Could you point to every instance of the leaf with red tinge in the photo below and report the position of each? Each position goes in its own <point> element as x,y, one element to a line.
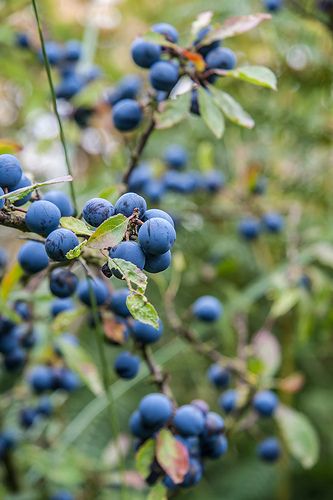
<point>114,330</point>
<point>158,492</point>
<point>7,146</point>
<point>235,26</point>
<point>172,456</point>
<point>293,383</point>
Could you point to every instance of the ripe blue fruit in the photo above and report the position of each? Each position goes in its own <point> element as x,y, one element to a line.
<point>22,40</point>
<point>42,217</point>
<point>63,283</point>
<point>189,421</point>
<point>28,417</point>
<point>54,53</point>
<point>249,228</point>
<point>15,359</point>
<point>228,401</point>
<point>7,442</point>
<point>44,407</point>
<point>145,53</point>
<point>194,108</point>
<point>9,341</point>
<point>218,376</point>
<point>139,177</point>
<point>23,309</point>
<point>62,495</point>
<point>117,302</point>
<point>130,251</point>
<point>164,75</point>
<point>155,410</point>
<point>175,157</point>
<point>32,257</point>
<point>96,211</point>
<point>72,50</point>
<point>137,427</point>
<point>265,403</point>
<point>273,222</point>
<point>201,405</point>
<point>214,424</point>
<point>67,380</point>
<point>154,189</point>
<point>194,474</point>
<point>41,378</point>
<point>128,88</point>
<point>69,86</point>
<point>93,290</point>
<point>126,115</point>
<point>59,242</point>
<point>146,334</point>
<point>214,446</point>
<point>156,212</point>
<point>158,263</point>
<point>128,202</point>
<point>207,308</point>
<point>204,49</point>
<point>10,171</point>
<point>157,236</point>
<point>60,305</point>
<point>273,5</point>
<point>221,58</point>
<point>23,182</point>
<point>213,181</point>
<point>61,200</point>
<point>269,450</point>
<point>167,30</point>
<point>127,365</point>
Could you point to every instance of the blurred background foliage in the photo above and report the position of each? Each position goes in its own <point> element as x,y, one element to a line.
<point>291,146</point>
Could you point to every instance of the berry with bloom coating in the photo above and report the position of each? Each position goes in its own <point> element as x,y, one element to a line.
<point>128,202</point>
<point>176,157</point>
<point>157,236</point>
<point>145,53</point>
<point>93,290</point>
<point>130,251</point>
<point>126,115</point>
<point>164,75</point>
<point>274,5</point>
<point>156,212</point>
<point>23,182</point>
<point>63,283</point>
<point>15,359</point>
<point>41,378</point>
<point>189,421</point>
<point>146,334</point>
<point>32,257</point>
<point>61,200</point>
<point>207,308</point>
<point>269,450</point>
<point>127,365</point>
<point>157,263</point>
<point>265,403</point>
<point>228,401</point>
<point>214,446</point>
<point>60,305</point>
<point>117,302</point>
<point>273,222</point>
<point>10,171</point>
<point>59,242</point>
<point>249,228</point>
<point>221,58</point>
<point>96,211</point>
<point>137,427</point>
<point>218,376</point>
<point>43,217</point>
<point>155,410</point>
<point>167,30</point>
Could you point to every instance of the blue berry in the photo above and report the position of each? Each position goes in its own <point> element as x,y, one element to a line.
<point>214,446</point>
<point>167,30</point>
<point>265,403</point>
<point>130,251</point>
<point>214,424</point>
<point>41,378</point>
<point>62,201</point>
<point>154,190</point>
<point>67,380</point>
<point>273,222</point>
<point>221,58</point>
<point>93,290</point>
<point>7,442</point>
<point>9,341</point>
<point>228,401</point>
<point>127,115</point>
<point>63,283</point>
<point>22,40</point>
<point>69,86</point>
<point>96,211</point>
<point>194,475</point>
<point>23,182</point>
<point>59,242</point>
<point>218,376</point>
<point>140,176</point>
<point>156,236</point>
<point>145,53</point>
<point>10,171</point>
<point>213,181</point>
<point>137,427</point>
<point>207,308</point>
<point>61,305</point>
<point>53,51</point>
<point>146,334</point>
<point>32,257</point>
<point>201,405</point>
<point>15,359</point>
<point>176,157</point>
<point>23,309</point>
<point>204,49</point>
<point>128,88</point>
<point>44,407</point>
<point>73,50</point>
<point>155,410</point>
<point>117,302</point>
<point>273,5</point>
<point>269,450</point>
<point>62,495</point>
<point>189,421</point>
<point>155,212</point>
<point>43,217</point>
<point>249,228</point>
<point>158,263</point>
<point>128,202</point>
<point>164,75</point>
<point>127,365</point>
<point>28,417</point>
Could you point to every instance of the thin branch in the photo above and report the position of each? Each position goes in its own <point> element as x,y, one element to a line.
<point>13,220</point>
<point>159,378</point>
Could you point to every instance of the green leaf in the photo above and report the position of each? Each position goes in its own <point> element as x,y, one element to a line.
<point>80,362</point>
<point>231,108</point>
<point>22,192</point>
<point>267,349</point>
<point>285,302</point>
<point>300,436</point>
<point>154,37</point>
<point>202,20</point>
<point>65,320</point>
<point>76,225</point>
<point>173,111</point>
<point>10,280</point>
<point>7,146</point>
<point>258,75</point>
<point>157,492</point>
<point>142,310</point>
<point>76,251</point>
<point>145,457</point>
<point>210,113</point>
<point>109,233</point>
<point>235,26</point>
<point>132,274</point>
<point>172,456</point>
